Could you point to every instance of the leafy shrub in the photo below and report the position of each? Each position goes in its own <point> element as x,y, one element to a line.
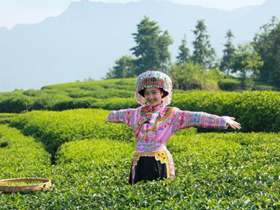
<point>22,156</point>
<point>34,93</point>
<point>261,87</point>
<point>16,104</point>
<point>6,118</point>
<point>249,108</point>
<point>75,103</point>
<point>48,102</point>
<point>96,149</point>
<point>229,84</point>
<point>193,77</point>
<point>213,171</point>
<point>56,128</point>
<point>116,103</point>
<point>256,111</point>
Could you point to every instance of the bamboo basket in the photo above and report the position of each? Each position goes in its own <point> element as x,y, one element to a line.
<point>45,184</point>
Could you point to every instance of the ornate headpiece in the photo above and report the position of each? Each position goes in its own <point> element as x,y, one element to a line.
<point>153,79</point>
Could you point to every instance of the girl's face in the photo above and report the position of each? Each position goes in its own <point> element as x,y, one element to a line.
<point>153,95</point>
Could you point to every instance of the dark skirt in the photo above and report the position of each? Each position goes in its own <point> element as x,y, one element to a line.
<point>148,169</point>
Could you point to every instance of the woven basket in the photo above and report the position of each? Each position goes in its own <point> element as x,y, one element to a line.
<point>45,184</point>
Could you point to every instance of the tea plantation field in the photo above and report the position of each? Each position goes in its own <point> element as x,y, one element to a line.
<point>257,111</point>
<point>88,162</point>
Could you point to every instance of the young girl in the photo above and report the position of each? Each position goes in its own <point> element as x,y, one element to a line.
<point>154,123</point>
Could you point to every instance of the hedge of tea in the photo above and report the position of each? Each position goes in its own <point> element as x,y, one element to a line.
<point>5,118</point>
<point>66,96</point>
<point>55,128</point>
<point>256,111</point>
<point>21,156</point>
<point>213,171</point>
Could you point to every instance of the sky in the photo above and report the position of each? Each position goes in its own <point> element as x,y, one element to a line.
<point>13,12</point>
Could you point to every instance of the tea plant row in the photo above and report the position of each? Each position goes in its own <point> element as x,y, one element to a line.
<point>213,171</point>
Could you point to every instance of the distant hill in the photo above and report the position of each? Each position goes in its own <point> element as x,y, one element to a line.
<point>88,37</point>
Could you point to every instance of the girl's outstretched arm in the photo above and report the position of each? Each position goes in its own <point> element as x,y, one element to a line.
<point>185,119</point>
<point>122,116</point>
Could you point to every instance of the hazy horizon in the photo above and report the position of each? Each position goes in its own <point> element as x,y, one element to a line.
<point>13,12</point>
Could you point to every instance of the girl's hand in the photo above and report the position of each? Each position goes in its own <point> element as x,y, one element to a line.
<point>235,125</point>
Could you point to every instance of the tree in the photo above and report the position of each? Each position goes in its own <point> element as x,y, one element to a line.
<point>203,53</point>
<point>124,68</point>
<point>228,54</point>
<point>266,43</point>
<point>151,48</point>
<point>184,52</point>
<point>247,63</point>
<point>190,76</point>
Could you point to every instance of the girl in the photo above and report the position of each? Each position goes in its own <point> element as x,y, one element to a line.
<point>154,123</point>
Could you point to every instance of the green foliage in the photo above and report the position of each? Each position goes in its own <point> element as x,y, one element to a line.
<point>21,156</point>
<point>16,104</point>
<point>85,102</point>
<point>266,43</point>
<point>246,61</point>
<point>256,111</point>
<point>34,93</point>
<point>213,171</point>
<point>48,101</point>
<point>229,84</point>
<point>116,103</point>
<point>261,86</point>
<point>67,96</point>
<point>151,48</point>
<point>119,94</point>
<point>203,53</point>
<point>228,53</point>
<point>96,149</point>
<point>191,76</point>
<point>109,92</point>
<point>184,53</point>
<point>6,117</point>
<point>55,128</point>
<point>123,68</point>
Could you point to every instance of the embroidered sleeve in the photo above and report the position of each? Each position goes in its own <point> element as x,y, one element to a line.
<point>121,116</point>
<point>185,119</point>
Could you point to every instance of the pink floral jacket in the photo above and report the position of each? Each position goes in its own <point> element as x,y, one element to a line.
<point>153,126</point>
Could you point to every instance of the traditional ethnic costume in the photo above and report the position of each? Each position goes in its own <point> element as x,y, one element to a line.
<point>154,125</point>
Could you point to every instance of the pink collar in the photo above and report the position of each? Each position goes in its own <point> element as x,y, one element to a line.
<point>150,108</point>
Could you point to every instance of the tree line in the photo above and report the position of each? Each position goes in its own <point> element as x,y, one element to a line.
<point>253,62</point>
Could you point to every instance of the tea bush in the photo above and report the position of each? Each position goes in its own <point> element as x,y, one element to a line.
<point>76,103</point>
<point>48,101</point>
<point>5,118</point>
<point>256,111</point>
<point>213,171</point>
<point>21,156</point>
<point>55,128</point>
<point>250,108</point>
<point>16,104</point>
<point>116,103</point>
<point>230,84</point>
